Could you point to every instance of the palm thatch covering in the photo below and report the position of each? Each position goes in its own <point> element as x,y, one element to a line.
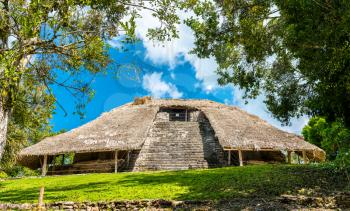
<point>126,128</point>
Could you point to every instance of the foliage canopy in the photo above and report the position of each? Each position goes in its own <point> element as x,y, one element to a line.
<point>29,121</point>
<point>296,53</point>
<point>333,137</point>
<point>41,39</point>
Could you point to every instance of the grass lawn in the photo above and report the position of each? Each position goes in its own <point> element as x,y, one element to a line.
<point>222,183</point>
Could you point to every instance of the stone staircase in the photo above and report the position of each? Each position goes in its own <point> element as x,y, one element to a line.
<point>175,145</point>
<point>213,151</point>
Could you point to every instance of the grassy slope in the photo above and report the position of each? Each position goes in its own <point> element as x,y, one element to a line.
<point>248,181</point>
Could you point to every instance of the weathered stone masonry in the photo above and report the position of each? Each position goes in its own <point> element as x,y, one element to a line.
<point>178,145</point>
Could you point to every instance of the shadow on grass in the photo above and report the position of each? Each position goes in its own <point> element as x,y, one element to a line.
<point>246,182</point>
<point>19,195</point>
<point>214,184</point>
<point>51,193</point>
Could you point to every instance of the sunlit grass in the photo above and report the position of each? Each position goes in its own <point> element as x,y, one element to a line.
<point>215,184</point>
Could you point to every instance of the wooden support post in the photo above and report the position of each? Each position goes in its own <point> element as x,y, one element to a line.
<point>44,166</point>
<point>41,198</point>
<point>229,157</point>
<point>240,158</point>
<point>116,161</point>
<point>305,157</point>
<point>289,157</point>
<point>128,158</point>
<point>53,163</point>
<point>62,160</point>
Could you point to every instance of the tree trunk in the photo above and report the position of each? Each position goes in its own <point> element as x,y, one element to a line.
<point>5,112</point>
<point>4,116</point>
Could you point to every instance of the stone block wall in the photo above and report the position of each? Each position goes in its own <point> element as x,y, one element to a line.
<point>331,201</point>
<point>213,151</point>
<point>158,204</point>
<point>162,117</point>
<point>178,145</point>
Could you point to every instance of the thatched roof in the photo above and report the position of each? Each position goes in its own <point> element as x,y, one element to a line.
<point>126,127</point>
<point>122,128</point>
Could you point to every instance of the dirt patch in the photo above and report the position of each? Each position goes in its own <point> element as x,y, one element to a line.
<point>290,202</point>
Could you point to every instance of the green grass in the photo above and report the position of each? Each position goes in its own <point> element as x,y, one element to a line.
<point>214,184</point>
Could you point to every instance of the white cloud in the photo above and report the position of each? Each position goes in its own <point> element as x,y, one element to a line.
<point>116,42</point>
<point>205,71</point>
<point>168,52</point>
<point>159,88</point>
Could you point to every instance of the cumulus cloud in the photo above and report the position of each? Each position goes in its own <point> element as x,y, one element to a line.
<point>158,88</point>
<point>169,52</point>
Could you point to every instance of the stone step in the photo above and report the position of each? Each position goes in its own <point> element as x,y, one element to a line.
<point>177,145</point>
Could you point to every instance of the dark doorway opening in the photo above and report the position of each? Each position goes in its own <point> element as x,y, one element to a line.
<point>177,114</point>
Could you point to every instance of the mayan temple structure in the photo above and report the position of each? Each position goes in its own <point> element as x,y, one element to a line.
<point>168,134</point>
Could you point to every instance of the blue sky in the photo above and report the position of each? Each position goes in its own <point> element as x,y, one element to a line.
<point>165,70</point>
<point>121,86</point>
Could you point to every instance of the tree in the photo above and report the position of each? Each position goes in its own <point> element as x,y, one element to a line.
<point>333,137</point>
<point>29,120</point>
<point>317,132</point>
<point>296,53</point>
<point>40,38</point>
